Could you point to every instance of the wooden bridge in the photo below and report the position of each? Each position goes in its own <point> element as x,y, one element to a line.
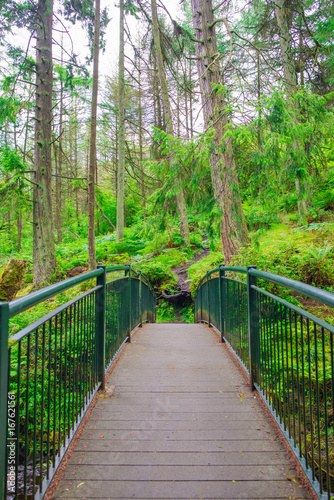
<point>178,421</point>
<point>178,417</point>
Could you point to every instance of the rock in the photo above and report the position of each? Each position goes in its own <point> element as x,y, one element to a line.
<point>11,279</point>
<point>24,291</point>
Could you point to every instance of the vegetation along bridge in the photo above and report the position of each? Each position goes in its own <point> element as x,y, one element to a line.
<point>176,417</point>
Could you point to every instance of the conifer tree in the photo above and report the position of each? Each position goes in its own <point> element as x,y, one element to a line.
<point>233,229</point>
<point>44,257</point>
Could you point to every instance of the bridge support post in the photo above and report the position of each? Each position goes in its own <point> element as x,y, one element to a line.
<point>100,331</point>
<point>222,295</point>
<point>4,359</point>
<point>253,328</point>
<point>140,301</point>
<point>201,314</point>
<point>208,301</point>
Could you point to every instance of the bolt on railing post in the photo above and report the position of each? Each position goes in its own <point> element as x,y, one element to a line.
<point>222,300</point>
<point>253,329</point>
<point>129,304</point>
<point>4,320</point>
<point>140,300</point>
<point>100,330</point>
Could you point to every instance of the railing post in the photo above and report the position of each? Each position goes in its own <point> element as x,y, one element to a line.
<point>209,310</point>
<point>140,301</point>
<point>129,303</point>
<point>4,319</point>
<point>201,316</point>
<point>222,300</point>
<point>100,312</point>
<point>253,328</point>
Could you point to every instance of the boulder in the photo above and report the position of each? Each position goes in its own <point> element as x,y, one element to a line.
<point>11,279</point>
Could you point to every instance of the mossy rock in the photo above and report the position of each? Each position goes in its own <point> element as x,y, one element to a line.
<point>11,279</point>
<point>24,291</point>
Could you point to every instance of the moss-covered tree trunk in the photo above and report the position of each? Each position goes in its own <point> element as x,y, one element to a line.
<point>234,233</point>
<point>44,255</point>
<point>180,198</point>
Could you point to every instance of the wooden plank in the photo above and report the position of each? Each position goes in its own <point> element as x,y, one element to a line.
<point>175,435</point>
<point>171,458</point>
<point>234,472</point>
<point>263,445</point>
<point>221,423</point>
<point>156,490</point>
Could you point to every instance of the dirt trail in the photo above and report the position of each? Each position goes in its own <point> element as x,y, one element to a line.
<point>182,272</point>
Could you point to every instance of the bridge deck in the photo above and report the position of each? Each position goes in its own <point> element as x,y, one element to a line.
<point>181,424</point>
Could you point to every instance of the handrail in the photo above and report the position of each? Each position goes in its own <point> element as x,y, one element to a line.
<point>237,269</point>
<point>138,274</point>
<point>288,354</point>
<point>32,299</point>
<point>297,286</point>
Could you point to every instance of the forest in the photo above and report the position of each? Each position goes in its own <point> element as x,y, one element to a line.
<point>211,141</point>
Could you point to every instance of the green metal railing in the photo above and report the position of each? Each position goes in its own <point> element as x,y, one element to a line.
<point>287,353</point>
<point>51,370</point>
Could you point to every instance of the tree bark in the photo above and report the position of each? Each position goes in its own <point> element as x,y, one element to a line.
<point>121,131</point>
<point>234,233</point>
<point>180,198</point>
<point>259,140</point>
<point>140,113</point>
<point>44,256</point>
<point>290,80</point>
<point>92,154</point>
<point>60,161</point>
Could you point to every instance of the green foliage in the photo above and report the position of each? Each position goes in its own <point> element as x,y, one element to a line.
<point>260,216</point>
<point>170,313</point>
<point>9,108</point>
<point>304,254</point>
<point>198,269</point>
<point>10,161</point>
<point>166,313</point>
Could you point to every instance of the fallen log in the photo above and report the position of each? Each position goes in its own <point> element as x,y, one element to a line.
<point>181,298</point>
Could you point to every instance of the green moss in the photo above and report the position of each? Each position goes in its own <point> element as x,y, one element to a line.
<point>11,279</point>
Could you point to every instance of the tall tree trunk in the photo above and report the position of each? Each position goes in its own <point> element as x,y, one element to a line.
<point>76,155</point>
<point>259,140</point>
<point>19,230</point>
<point>191,101</point>
<point>290,80</point>
<point>186,99</point>
<point>234,233</point>
<point>180,198</point>
<point>59,170</point>
<point>178,100</point>
<point>19,214</point>
<point>121,131</point>
<point>92,154</point>
<point>140,112</point>
<point>44,255</point>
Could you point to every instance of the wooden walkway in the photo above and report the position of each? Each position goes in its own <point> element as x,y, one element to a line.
<point>178,422</point>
